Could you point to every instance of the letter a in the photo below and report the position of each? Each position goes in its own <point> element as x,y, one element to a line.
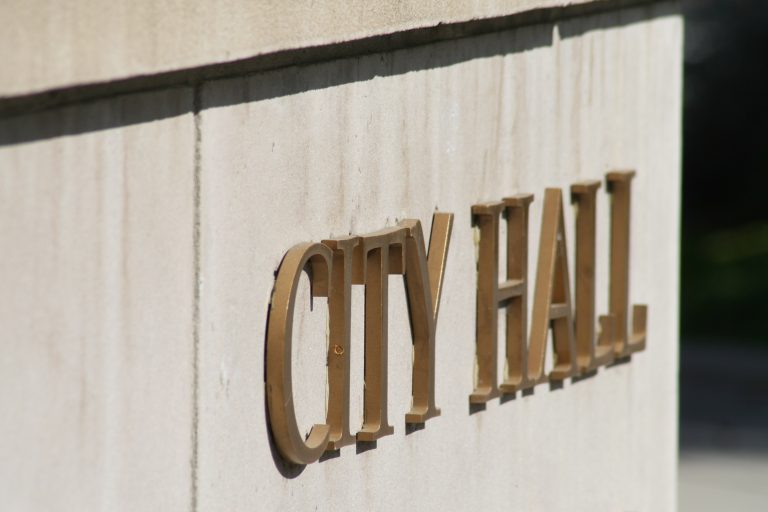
<point>552,297</point>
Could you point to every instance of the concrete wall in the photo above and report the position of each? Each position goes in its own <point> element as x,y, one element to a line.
<point>96,308</point>
<point>52,45</point>
<point>140,235</point>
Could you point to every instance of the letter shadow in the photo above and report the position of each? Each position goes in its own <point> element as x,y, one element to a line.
<point>410,428</point>
<point>584,376</point>
<point>620,361</point>
<point>475,408</point>
<point>507,397</point>
<point>364,446</point>
<point>286,468</point>
<point>330,454</point>
<point>555,385</point>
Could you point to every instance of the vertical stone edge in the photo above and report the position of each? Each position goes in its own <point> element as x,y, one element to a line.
<point>197,119</point>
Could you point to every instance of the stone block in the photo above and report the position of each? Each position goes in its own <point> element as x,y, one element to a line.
<point>96,305</point>
<point>350,146</point>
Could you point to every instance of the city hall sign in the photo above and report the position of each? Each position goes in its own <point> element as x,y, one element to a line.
<point>334,266</point>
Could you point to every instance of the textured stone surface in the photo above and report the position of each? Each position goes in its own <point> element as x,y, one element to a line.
<point>46,45</point>
<point>96,307</point>
<point>301,154</point>
<point>133,295</point>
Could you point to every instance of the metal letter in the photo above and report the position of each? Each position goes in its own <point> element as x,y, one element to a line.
<point>371,267</point>
<point>515,292</point>
<point>590,355</point>
<point>423,281</point>
<point>511,294</point>
<point>340,312</point>
<point>624,343</point>
<point>486,217</point>
<point>552,297</point>
<point>316,259</point>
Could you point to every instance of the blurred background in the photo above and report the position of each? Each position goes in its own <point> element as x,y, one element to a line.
<point>724,303</point>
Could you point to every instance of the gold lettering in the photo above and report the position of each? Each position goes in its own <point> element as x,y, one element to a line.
<point>316,260</point>
<point>378,255</point>
<point>517,291</point>
<point>335,265</point>
<point>552,296</point>
<point>624,343</point>
<point>423,281</point>
<point>339,347</point>
<point>590,355</point>
<point>486,217</point>
<point>511,294</point>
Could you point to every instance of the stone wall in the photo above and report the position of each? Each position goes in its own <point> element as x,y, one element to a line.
<point>141,233</point>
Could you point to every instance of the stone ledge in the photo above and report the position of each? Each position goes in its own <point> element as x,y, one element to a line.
<point>50,47</point>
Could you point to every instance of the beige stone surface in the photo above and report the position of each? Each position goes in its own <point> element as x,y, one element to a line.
<point>301,154</point>
<point>132,345</point>
<point>46,45</point>
<point>96,307</point>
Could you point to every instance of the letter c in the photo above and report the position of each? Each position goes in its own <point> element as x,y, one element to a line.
<point>317,260</point>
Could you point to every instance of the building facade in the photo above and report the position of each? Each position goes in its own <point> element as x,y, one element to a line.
<point>157,164</point>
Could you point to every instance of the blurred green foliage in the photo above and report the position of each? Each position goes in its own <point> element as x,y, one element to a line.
<point>725,284</point>
<point>725,171</point>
